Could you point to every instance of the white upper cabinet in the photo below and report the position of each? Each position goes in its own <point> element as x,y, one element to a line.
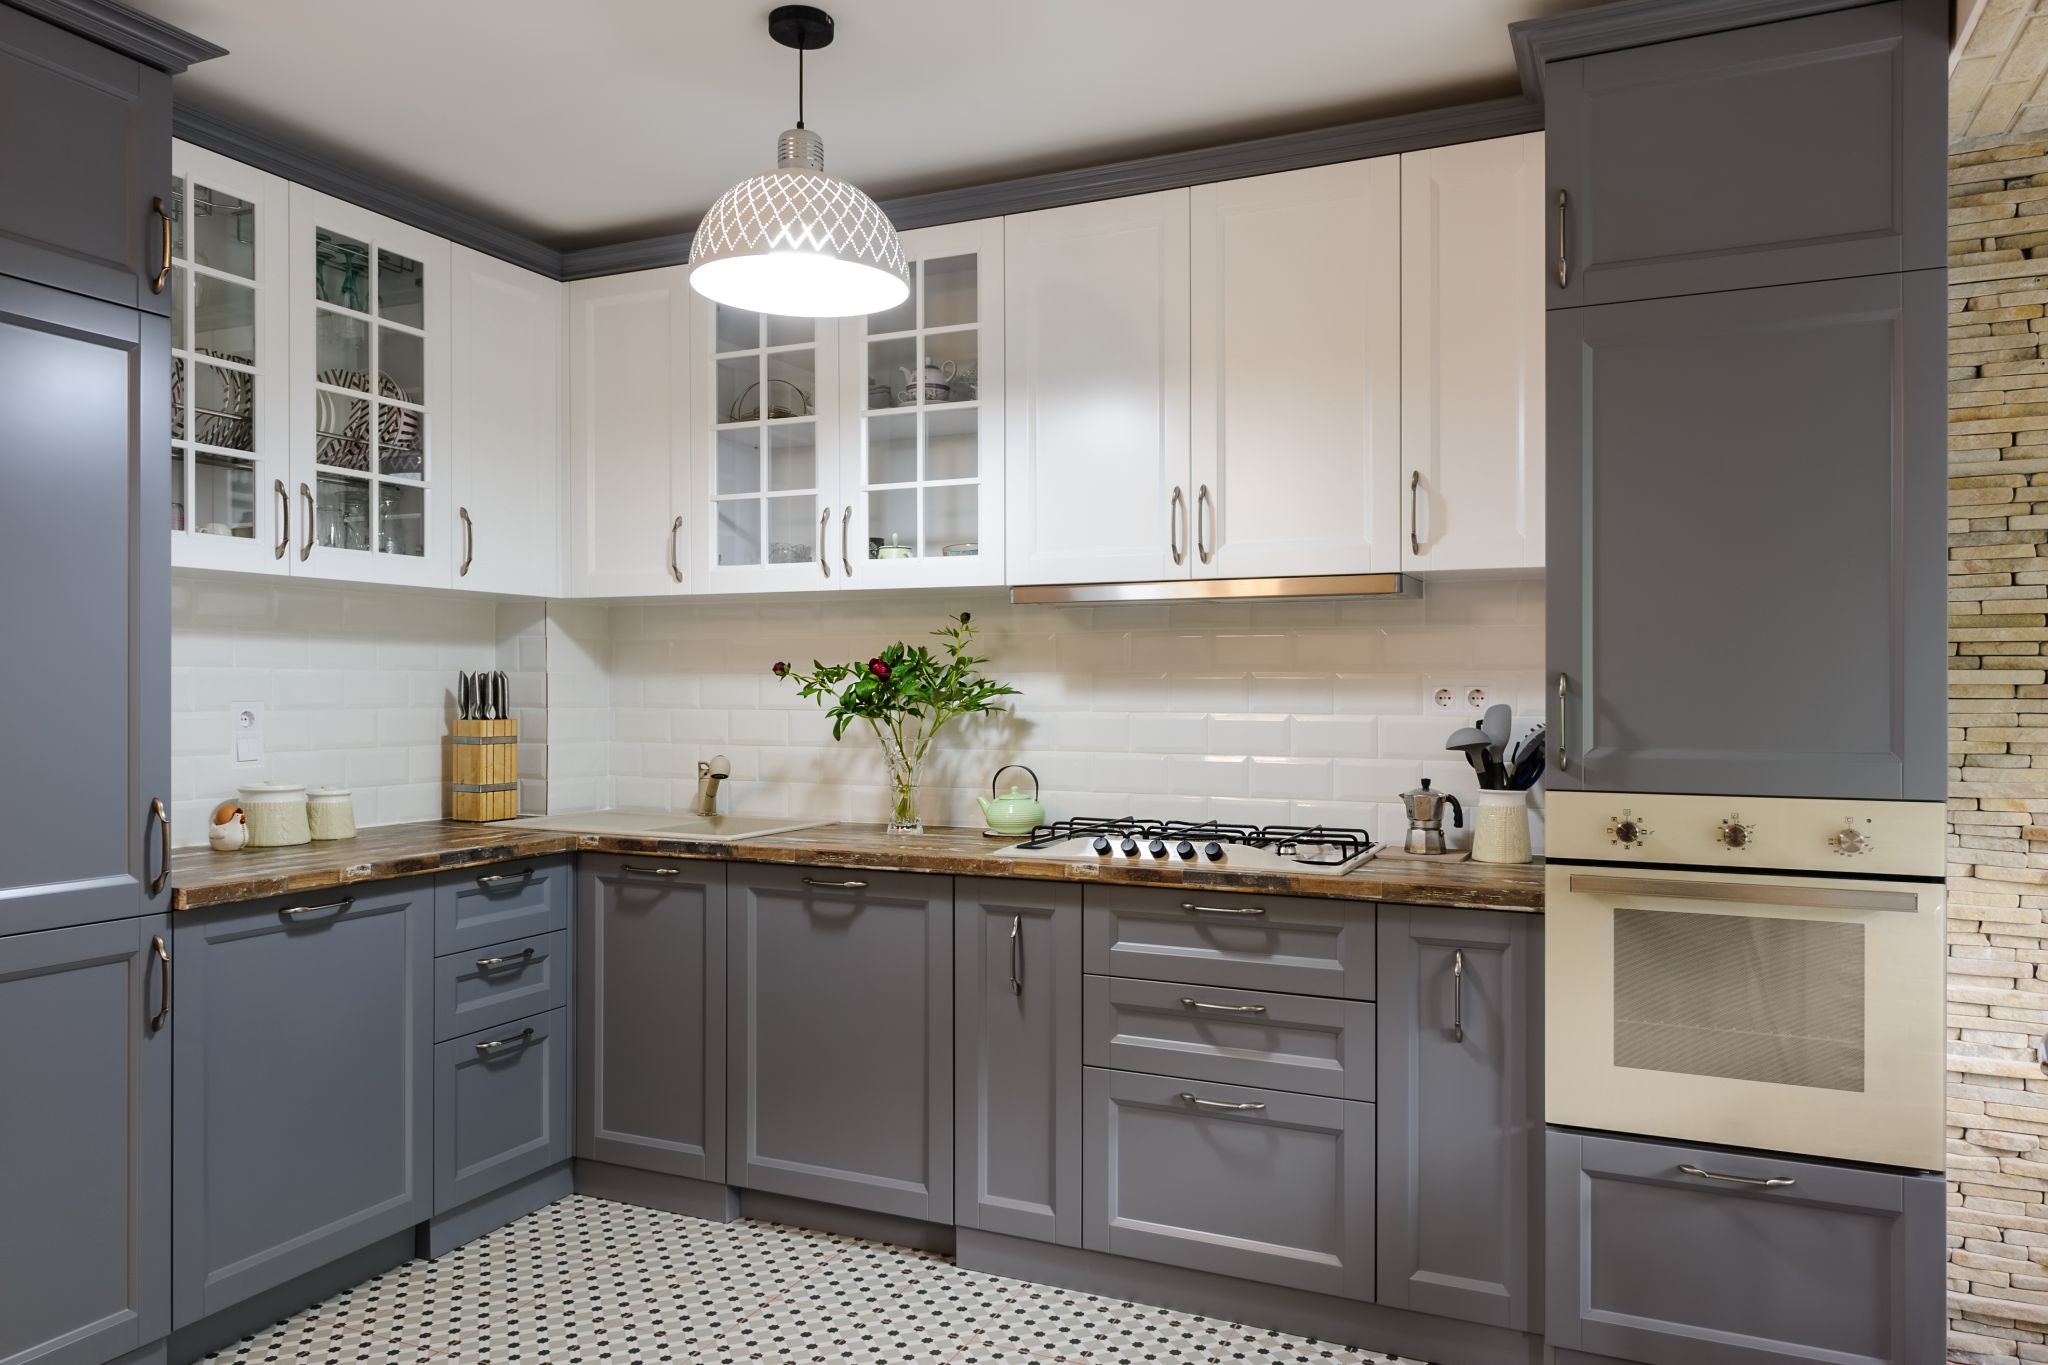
<point>629,434</point>
<point>230,318</point>
<point>506,426</point>
<point>1297,372</point>
<point>921,457</point>
<point>370,396</point>
<point>1096,391</point>
<point>1472,337</point>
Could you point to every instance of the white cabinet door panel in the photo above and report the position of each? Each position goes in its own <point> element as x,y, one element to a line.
<point>507,427</point>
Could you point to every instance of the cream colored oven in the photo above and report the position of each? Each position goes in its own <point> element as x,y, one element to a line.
<point>1762,973</point>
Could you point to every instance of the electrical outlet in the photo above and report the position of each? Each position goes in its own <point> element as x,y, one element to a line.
<point>245,733</point>
<point>1456,698</point>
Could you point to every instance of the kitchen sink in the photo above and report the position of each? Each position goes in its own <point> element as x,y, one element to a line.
<point>717,829</point>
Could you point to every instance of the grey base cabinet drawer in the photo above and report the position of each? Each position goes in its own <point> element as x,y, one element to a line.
<point>501,983</point>
<point>1673,1255</point>
<point>1301,1043</point>
<point>1219,938</point>
<point>478,907</point>
<point>1258,1184</point>
<point>501,1107</point>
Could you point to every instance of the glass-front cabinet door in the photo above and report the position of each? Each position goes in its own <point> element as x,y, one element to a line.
<point>766,471</point>
<point>923,466</point>
<point>229,415</point>
<point>370,380</point>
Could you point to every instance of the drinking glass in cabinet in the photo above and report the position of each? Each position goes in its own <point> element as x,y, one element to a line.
<point>223,232</point>
<point>342,519</point>
<point>401,519</point>
<point>793,529</point>
<point>341,270</point>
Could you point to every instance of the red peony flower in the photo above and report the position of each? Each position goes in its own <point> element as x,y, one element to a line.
<point>780,668</point>
<point>878,668</point>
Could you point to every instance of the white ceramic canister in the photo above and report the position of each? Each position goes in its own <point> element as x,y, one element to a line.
<point>276,812</point>
<point>332,812</point>
<point>1501,834</point>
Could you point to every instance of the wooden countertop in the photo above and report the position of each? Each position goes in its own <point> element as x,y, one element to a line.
<point>201,877</point>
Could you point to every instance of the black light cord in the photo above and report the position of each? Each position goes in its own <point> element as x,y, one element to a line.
<point>799,87</point>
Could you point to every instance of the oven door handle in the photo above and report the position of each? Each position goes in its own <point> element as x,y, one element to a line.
<point>1804,896</point>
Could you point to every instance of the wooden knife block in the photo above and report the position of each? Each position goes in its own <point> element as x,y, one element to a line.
<point>485,765</point>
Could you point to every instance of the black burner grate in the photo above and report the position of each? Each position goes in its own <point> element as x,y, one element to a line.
<point>1314,845</point>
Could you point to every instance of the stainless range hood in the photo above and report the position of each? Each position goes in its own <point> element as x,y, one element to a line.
<point>1220,589</point>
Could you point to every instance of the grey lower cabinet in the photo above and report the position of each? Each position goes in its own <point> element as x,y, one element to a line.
<point>651,1012</point>
<point>1782,634</point>
<point>501,1106</point>
<point>85,1141</point>
<point>1257,1184</point>
<point>1460,1059</point>
<point>1670,1255</point>
<point>1017,1058</point>
<point>1808,149</point>
<point>301,1121</point>
<point>840,1037</point>
<point>86,161</point>
<point>503,901</point>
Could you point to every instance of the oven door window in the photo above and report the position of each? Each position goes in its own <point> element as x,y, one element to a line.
<point>1747,998</point>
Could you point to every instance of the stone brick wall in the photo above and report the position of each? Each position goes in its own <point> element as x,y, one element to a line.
<point>1998,739</point>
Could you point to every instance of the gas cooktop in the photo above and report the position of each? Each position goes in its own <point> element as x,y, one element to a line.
<point>1300,849</point>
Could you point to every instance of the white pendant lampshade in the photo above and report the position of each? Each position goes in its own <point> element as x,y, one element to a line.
<point>796,241</point>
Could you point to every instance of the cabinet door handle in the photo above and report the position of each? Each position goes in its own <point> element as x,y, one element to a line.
<point>306,530</point>
<point>163,270</point>
<point>1415,511</point>
<point>1247,1107</point>
<point>824,556</point>
<point>468,541</point>
<point>163,845</point>
<point>1205,517</point>
<point>1016,955</point>
<point>497,1045</point>
<point>284,519</point>
<point>1194,909</point>
<point>1775,1182</point>
<point>1564,267</point>
<point>651,871</point>
<point>521,878</point>
<point>845,559</point>
<point>845,886</point>
<point>163,967</point>
<point>294,911</point>
<point>1189,1002</point>
<point>1458,996</point>
<point>1176,518</point>
<point>1564,746</point>
<point>524,958</point>
<point>675,534</point>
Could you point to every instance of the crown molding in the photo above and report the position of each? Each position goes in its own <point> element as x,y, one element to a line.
<point>1633,23</point>
<point>129,32</point>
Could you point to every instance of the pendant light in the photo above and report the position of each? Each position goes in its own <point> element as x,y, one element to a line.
<point>795,241</point>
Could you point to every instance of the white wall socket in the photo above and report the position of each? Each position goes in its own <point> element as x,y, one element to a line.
<point>245,733</point>
<point>1456,698</point>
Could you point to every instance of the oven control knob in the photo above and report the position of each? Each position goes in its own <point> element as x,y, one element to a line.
<point>1186,849</point>
<point>1102,845</point>
<point>1129,847</point>
<point>1157,848</point>
<point>1850,842</point>
<point>1628,831</point>
<point>1734,834</point>
<point>1213,852</point>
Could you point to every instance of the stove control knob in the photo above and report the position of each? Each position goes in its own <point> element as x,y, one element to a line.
<point>1734,834</point>
<point>1186,849</point>
<point>1129,847</point>
<point>1157,848</point>
<point>1627,831</point>
<point>1102,845</point>
<point>1849,842</point>
<point>1213,852</point>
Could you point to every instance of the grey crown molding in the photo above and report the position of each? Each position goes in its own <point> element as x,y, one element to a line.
<point>129,32</point>
<point>1634,23</point>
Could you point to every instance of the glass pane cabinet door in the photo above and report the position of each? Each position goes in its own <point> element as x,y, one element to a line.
<point>925,475</point>
<point>370,392</point>
<point>229,419</point>
<point>767,472</point>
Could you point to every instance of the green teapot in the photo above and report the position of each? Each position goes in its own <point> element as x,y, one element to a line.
<point>1013,812</point>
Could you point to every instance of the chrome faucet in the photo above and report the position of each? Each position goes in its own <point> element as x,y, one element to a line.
<point>709,775</point>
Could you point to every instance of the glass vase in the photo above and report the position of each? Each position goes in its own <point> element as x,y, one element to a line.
<point>903,778</point>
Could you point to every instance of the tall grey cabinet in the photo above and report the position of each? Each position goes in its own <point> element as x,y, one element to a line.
<point>839,1037</point>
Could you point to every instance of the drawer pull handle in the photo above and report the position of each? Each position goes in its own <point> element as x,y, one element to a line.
<point>1775,1182</point>
<point>497,1045</point>
<point>652,871</point>
<point>294,911</point>
<point>519,960</point>
<point>1189,1002</point>
<point>1016,955</point>
<point>1194,909</point>
<point>519,878</point>
<point>847,885</point>
<point>1458,996</point>
<point>1248,1106</point>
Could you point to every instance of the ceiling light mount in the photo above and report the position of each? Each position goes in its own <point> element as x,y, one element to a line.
<point>803,27</point>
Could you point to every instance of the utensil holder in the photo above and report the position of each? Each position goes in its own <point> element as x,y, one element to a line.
<point>1501,834</point>
<point>485,763</point>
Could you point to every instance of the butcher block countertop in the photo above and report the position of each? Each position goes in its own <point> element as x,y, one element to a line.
<point>201,877</point>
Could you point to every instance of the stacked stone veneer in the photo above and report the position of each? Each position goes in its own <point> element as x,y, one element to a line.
<point>1998,740</point>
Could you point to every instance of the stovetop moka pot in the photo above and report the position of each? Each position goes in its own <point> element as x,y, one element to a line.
<point>1426,818</point>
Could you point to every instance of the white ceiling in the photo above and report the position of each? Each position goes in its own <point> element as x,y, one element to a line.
<point>586,121</point>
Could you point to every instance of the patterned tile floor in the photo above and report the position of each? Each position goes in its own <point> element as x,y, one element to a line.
<point>585,1280</point>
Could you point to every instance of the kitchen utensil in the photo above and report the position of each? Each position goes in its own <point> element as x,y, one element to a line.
<point>1426,818</point>
<point>1497,724</point>
<point>1013,812</point>
<point>1528,768</point>
<point>1501,833</point>
<point>1471,742</point>
<point>504,695</point>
